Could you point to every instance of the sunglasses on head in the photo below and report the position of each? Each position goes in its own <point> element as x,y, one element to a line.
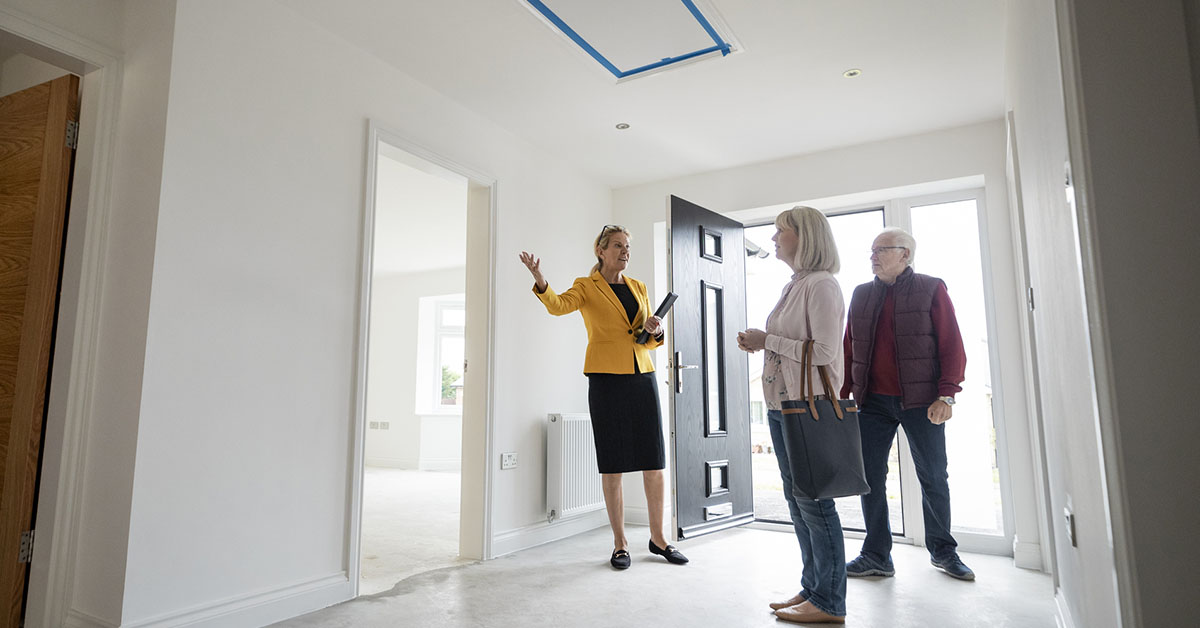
<point>608,228</point>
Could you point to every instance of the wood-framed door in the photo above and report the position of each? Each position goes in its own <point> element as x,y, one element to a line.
<point>37,134</point>
<point>710,411</point>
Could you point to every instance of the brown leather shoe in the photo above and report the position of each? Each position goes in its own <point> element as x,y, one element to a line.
<point>806,613</point>
<point>792,601</point>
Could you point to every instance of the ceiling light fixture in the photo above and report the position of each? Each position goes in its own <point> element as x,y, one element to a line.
<point>852,73</point>
<point>621,126</point>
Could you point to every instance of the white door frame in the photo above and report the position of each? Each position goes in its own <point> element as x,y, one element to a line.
<point>1026,324</point>
<point>51,580</point>
<point>475,529</point>
<point>898,214</point>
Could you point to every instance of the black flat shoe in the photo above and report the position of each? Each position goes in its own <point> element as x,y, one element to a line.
<point>620,559</point>
<point>670,553</point>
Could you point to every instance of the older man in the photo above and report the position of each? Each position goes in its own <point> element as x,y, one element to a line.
<point>904,363</point>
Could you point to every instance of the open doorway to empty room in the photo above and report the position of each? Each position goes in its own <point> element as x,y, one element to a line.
<point>415,371</point>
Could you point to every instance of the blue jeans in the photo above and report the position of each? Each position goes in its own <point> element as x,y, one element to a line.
<point>819,531</point>
<point>878,419</point>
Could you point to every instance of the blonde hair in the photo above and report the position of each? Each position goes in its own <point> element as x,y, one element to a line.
<point>602,241</point>
<point>815,247</point>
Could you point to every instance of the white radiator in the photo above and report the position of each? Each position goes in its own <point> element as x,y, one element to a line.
<point>572,478</point>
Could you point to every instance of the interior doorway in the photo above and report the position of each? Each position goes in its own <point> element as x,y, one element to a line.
<point>39,122</point>
<point>420,492</point>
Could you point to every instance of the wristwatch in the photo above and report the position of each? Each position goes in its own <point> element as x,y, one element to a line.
<point>946,400</point>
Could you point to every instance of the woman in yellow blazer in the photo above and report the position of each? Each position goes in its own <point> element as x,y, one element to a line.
<point>622,395</point>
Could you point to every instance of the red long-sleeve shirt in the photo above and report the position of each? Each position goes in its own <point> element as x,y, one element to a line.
<point>884,377</point>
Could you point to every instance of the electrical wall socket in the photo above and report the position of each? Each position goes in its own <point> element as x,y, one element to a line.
<point>374,425</point>
<point>384,425</point>
<point>508,460</point>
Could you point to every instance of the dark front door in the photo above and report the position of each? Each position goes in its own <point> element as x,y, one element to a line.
<point>710,423</point>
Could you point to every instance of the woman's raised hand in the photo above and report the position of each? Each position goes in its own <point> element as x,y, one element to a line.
<point>535,268</point>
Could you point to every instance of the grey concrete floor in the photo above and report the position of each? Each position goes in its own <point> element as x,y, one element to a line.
<point>409,525</point>
<point>732,577</point>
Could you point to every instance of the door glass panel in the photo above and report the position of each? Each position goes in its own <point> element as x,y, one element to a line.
<point>948,247</point>
<point>710,244</point>
<point>714,408</point>
<point>765,279</point>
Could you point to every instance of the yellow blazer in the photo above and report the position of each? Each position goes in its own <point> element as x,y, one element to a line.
<point>611,347</point>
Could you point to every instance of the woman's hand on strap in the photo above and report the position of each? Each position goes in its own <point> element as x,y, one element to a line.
<point>535,268</point>
<point>752,340</point>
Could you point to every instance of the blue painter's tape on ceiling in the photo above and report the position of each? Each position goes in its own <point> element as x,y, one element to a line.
<point>719,44</point>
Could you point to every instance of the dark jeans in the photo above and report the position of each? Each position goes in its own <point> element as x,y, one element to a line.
<point>819,530</point>
<point>878,419</point>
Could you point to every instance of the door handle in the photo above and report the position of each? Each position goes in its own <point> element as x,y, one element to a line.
<point>678,365</point>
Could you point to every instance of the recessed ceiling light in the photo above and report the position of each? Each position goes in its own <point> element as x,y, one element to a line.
<point>852,72</point>
<point>621,126</point>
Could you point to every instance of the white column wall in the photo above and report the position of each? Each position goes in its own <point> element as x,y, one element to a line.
<point>111,432</point>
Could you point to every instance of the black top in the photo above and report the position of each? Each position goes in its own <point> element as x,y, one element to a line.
<point>627,299</point>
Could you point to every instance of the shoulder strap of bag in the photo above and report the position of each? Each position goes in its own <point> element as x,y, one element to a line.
<point>804,372</point>
<point>833,396</point>
<point>805,365</point>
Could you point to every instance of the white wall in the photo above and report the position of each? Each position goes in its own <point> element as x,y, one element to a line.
<point>392,368</point>
<point>959,153</point>
<point>245,426</point>
<point>100,21</point>
<point>20,71</point>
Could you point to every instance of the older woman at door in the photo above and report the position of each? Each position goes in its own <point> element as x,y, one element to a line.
<point>622,394</point>
<point>811,308</point>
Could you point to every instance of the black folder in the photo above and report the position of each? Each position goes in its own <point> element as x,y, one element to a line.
<point>662,310</point>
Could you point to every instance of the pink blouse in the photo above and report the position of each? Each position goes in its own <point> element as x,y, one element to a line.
<point>811,307</point>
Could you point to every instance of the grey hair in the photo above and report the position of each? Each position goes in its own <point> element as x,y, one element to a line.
<point>904,239</point>
<point>815,248</point>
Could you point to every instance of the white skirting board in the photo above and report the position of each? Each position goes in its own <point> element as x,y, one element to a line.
<point>257,609</point>
<point>80,619</point>
<point>640,516</point>
<point>1062,616</point>
<point>517,539</point>
<point>1027,555</point>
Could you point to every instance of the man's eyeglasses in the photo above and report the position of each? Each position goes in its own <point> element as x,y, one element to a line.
<point>879,249</point>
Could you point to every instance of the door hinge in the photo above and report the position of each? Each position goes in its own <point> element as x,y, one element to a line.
<point>26,553</point>
<point>1031,298</point>
<point>72,134</point>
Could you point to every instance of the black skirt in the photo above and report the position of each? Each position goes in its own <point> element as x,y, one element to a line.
<point>626,422</point>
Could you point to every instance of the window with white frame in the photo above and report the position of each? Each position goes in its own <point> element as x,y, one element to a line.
<point>440,354</point>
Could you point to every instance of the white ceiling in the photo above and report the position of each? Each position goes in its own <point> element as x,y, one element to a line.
<point>927,64</point>
<point>420,215</point>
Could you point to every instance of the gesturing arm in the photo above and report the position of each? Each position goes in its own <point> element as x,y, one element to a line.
<point>535,268</point>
